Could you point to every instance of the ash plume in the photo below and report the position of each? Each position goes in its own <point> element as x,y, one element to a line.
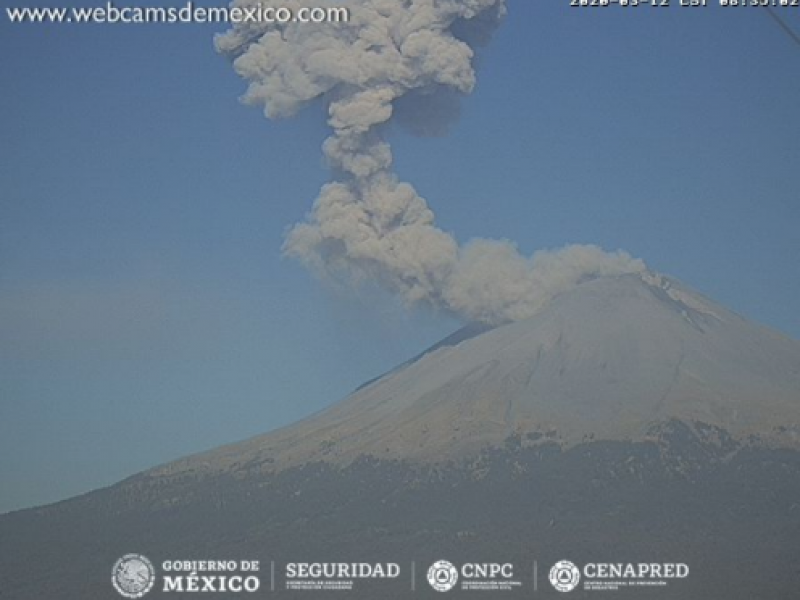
<point>407,61</point>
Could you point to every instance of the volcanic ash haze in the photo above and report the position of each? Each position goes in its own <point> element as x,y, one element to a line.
<point>393,61</point>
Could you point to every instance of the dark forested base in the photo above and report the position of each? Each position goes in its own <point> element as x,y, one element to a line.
<point>730,511</point>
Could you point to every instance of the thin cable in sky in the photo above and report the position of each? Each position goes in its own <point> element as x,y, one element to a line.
<point>783,25</point>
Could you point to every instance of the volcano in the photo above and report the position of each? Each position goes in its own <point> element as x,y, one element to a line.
<point>631,420</point>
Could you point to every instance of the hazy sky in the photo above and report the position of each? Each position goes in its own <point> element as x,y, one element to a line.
<point>146,313</point>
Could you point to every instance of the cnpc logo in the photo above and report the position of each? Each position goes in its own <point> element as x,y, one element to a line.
<point>443,575</point>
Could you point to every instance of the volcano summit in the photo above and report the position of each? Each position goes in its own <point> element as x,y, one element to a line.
<point>613,359</point>
<point>631,420</point>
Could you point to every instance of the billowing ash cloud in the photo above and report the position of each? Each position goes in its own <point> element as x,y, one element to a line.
<point>407,60</point>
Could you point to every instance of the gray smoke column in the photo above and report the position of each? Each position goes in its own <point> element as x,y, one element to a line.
<point>391,60</point>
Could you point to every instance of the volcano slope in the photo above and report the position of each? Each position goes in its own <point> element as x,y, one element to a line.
<point>630,420</point>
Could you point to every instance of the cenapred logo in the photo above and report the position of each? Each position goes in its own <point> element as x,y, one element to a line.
<point>442,576</point>
<point>133,575</point>
<point>565,576</point>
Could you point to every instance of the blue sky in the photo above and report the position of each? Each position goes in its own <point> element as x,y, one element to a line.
<point>146,313</point>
